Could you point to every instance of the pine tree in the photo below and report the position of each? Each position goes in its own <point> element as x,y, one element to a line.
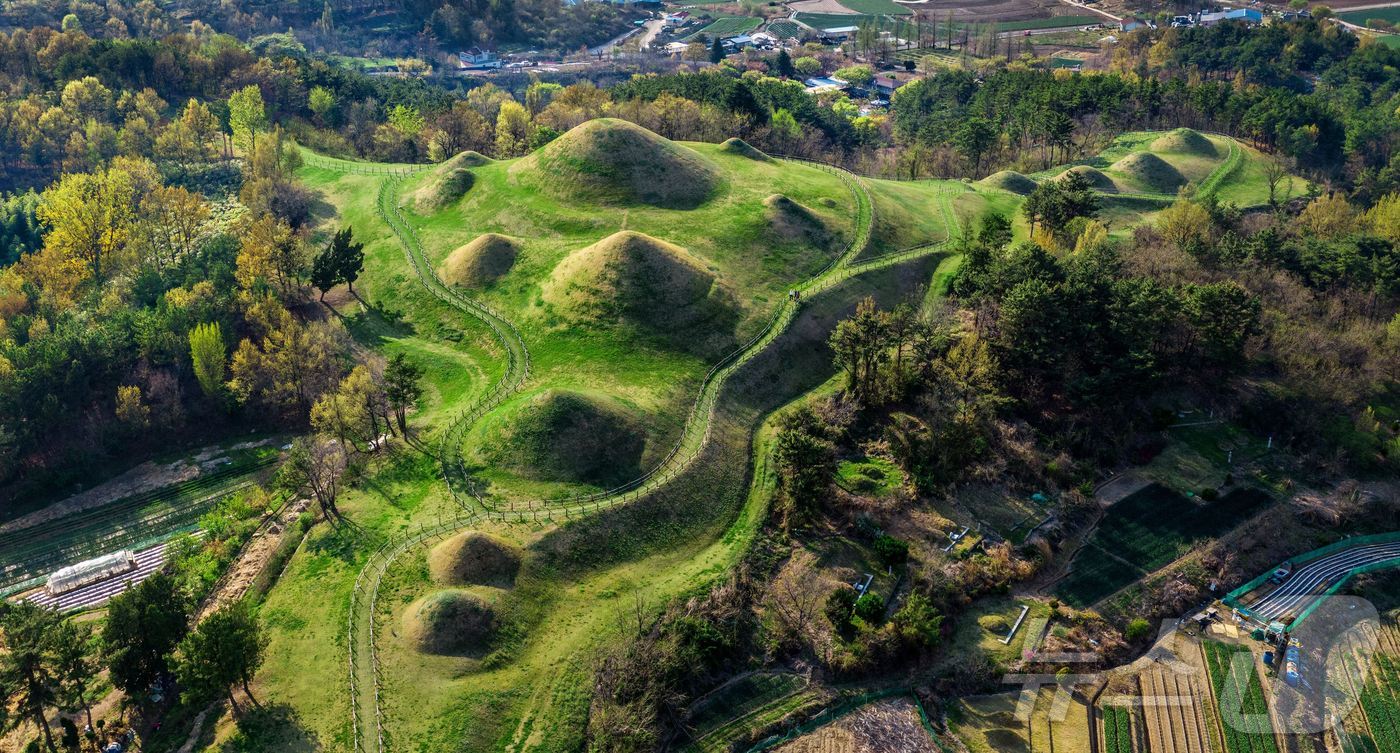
<point>716,51</point>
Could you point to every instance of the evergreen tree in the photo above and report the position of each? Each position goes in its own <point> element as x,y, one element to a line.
<point>402,386</point>
<point>144,625</point>
<point>783,65</point>
<point>716,51</point>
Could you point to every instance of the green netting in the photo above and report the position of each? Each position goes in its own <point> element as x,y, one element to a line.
<point>832,714</point>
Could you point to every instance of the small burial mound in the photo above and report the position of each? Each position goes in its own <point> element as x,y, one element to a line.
<point>1151,172</point>
<point>743,148</point>
<point>1097,179</point>
<point>1184,141</point>
<point>566,436</point>
<point>616,162</point>
<point>1009,180</point>
<point>474,558</point>
<point>445,188</point>
<point>484,260</point>
<point>468,158</point>
<point>791,222</point>
<point>635,279</point>
<point>450,622</point>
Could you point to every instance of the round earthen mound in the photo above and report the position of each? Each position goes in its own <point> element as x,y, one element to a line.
<point>1150,172</point>
<point>1009,180</point>
<point>791,222</point>
<point>1184,141</point>
<point>615,162</point>
<point>483,261</point>
<point>568,436</point>
<point>450,622</point>
<point>474,558</point>
<point>744,149</point>
<point>1097,179</point>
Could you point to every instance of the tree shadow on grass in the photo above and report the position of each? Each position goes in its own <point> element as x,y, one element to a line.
<point>271,727</point>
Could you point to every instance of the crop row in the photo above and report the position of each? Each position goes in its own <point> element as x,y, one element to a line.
<point>1244,714</point>
<point>1378,700</point>
<point>32,551</point>
<point>1117,730</point>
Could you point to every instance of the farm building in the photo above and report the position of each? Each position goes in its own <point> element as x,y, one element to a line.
<point>1244,15</point>
<point>824,85</point>
<point>68,578</point>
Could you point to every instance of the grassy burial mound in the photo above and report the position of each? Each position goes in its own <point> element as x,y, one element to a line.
<point>474,558</point>
<point>1149,173</point>
<point>1008,180</point>
<point>445,188</point>
<point>450,622</point>
<point>567,436</point>
<point>636,280</point>
<point>1098,180</point>
<point>483,261</point>
<point>790,222</point>
<point>1184,141</point>
<point>744,149</point>
<point>468,158</point>
<point>615,162</point>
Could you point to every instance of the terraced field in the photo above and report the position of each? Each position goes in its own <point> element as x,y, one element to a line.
<point>129,523</point>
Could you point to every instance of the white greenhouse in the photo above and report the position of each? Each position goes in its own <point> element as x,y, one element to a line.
<point>76,576</point>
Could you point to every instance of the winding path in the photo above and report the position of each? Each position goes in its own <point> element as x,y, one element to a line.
<point>365,677</point>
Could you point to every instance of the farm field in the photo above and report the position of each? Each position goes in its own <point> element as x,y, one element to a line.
<point>1361,17</point>
<point>821,21</point>
<point>993,724</point>
<point>132,522</point>
<point>1239,695</point>
<point>1145,531</point>
<point>726,25</point>
<point>892,724</point>
<point>878,7</point>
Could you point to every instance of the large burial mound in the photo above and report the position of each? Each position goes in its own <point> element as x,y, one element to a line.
<point>744,149</point>
<point>446,186</point>
<point>1150,171</point>
<point>635,279</point>
<point>474,558</point>
<point>565,436</point>
<point>1009,180</point>
<point>791,222</point>
<point>483,261</point>
<point>451,623</point>
<point>1097,179</point>
<point>1184,141</point>
<point>616,162</point>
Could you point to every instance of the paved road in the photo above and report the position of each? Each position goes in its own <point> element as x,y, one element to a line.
<point>1314,578</point>
<point>148,561</point>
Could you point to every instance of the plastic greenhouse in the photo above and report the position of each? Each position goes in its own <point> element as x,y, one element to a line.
<point>68,578</point>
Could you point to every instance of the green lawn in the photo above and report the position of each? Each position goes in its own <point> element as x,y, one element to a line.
<point>822,21</point>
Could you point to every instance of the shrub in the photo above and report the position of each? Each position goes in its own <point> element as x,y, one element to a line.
<point>1210,494</point>
<point>891,551</point>
<point>871,608</point>
<point>1137,630</point>
<point>839,606</point>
